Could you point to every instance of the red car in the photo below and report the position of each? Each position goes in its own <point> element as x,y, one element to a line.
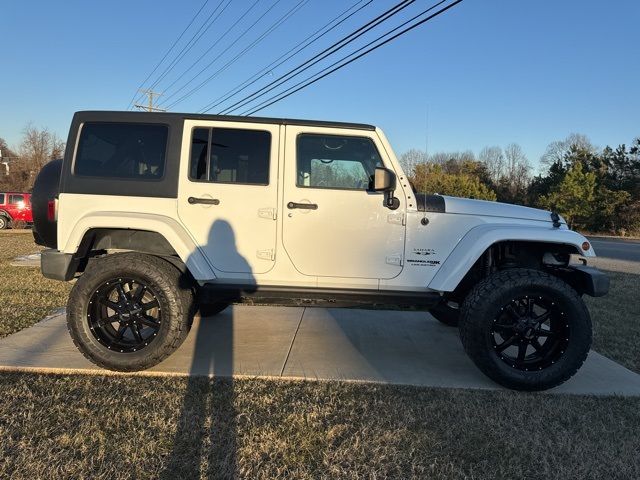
<point>15,207</point>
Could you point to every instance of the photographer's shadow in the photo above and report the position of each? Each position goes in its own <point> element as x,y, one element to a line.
<point>205,443</point>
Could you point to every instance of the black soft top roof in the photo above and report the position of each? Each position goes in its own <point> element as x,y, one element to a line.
<point>168,116</point>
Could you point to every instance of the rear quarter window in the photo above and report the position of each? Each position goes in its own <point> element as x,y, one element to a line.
<point>122,150</point>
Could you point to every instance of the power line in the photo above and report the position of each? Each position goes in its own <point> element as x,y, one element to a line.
<point>133,99</point>
<point>279,22</point>
<point>223,52</point>
<point>242,15</point>
<point>281,59</point>
<point>282,96</point>
<point>208,23</point>
<point>318,57</point>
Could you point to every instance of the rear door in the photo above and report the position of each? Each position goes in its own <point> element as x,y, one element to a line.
<point>333,225</point>
<point>228,193</point>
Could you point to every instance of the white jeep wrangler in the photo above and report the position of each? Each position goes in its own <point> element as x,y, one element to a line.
<point>160,214</point>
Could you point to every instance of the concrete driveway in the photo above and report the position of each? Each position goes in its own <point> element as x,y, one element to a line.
<point>310,343</point>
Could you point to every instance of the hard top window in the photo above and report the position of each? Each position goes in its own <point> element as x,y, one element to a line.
<point>229,155</point>
<point>1,198</point>
<point>14,199</point>
<point>332,161</point>
<point>122,150</point>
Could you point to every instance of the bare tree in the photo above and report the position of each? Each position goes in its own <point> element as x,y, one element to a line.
<point>38,147</point>
<point>516,175</point>
<point>452,158</point>
<point>409,160</point>
<point>493,158</point>
<point>557,150</point>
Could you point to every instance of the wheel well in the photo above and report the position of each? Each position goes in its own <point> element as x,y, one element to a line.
<point>100,241</point>
<point>5,214</point>
<point>549,257</point>
<point>143,241</point>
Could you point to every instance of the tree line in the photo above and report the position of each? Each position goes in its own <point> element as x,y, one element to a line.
<point>595,190</point>
<point>20,167</point>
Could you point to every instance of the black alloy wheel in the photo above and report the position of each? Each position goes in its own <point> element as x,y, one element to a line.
<point>530,333</point>
<point>124,314</point>
<point>129,311</point>
<point>525,329</point>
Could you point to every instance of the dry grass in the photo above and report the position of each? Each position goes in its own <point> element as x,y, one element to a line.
<point>119,427</point>
<point>25,295</point>
<point>616,320</point>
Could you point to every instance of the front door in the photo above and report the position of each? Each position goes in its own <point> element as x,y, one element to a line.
<point>228,193</point>
<point>333,225</point>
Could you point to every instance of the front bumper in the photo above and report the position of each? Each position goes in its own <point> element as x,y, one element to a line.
<point>589,280</point>
<point>58,265</point>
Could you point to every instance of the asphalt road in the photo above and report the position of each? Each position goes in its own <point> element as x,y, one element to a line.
<point>616,248</point>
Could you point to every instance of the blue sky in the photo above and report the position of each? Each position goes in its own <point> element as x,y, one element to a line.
<point>488,72</point>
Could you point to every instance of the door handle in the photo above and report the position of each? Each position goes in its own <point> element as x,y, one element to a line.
<point>304,206</point>
<point>203,201</point>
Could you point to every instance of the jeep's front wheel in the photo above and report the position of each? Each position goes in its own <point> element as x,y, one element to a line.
<point>4,222</point>
<point>128,311</point>
<point>525,329</point>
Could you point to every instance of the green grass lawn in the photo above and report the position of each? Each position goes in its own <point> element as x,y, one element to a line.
<point>54,426</point>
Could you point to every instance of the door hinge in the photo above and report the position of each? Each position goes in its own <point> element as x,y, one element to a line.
<point>266,254</point>
<point>394,260</point>
<point>397,218</point>
<point>268,213</point>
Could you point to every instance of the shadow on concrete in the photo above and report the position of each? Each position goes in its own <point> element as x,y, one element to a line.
<point>205,439</point>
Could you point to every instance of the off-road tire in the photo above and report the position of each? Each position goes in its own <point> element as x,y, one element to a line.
<point>446,315</point>
<point>175,299</point>
<point>481,307</point>
<point>211,309</point>
<point>4,222</point>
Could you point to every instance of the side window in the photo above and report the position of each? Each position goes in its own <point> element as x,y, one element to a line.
<point>1,198</point>
<point>332,161</point>
<point>229,155</point>
<point>122,150</point>
<point>15,199</point>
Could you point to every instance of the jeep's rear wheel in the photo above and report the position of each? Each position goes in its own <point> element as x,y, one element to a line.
<point>127,312</point>
<point>525,329</point>
<point>4,222</point>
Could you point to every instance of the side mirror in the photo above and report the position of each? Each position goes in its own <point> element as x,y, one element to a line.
<point>384,180</point>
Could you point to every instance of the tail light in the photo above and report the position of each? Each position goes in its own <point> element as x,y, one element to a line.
<point>51,210</point>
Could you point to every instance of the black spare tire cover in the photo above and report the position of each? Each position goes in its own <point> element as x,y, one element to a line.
<point>45,189</point>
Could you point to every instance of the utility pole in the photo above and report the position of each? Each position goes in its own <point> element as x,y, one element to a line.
<point>149,107</point>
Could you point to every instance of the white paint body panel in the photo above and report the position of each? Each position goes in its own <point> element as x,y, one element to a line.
<point>467,206</point>
<point>79,213</point>
<point>349,235</point>
<point>479,238</point>
<point>234,236</point>
<point>351,242</point>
